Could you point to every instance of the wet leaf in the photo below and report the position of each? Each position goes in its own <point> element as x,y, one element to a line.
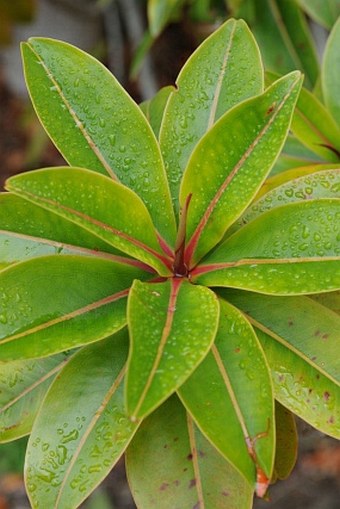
<point>322,184</point>
<point>230,397</point>
<point>28,231</point>
<point>301,258</point>
<point>172,326</point>
<point>175,469</point>
<point>80,433</point>
<point>81,196</point>
<point>231,161</point>
<point>23,385</point>
<point>51,304</point>
<point>95,124</point>
<point>300,340</point>
<point>225,70</point>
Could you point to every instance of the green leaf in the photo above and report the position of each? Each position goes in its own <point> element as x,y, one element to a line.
<point>54,303</point>
<point>231,161</point>
<point>160,13</point>
<point>95,124</point>
<point>323,184</point>
<point>82,197</point>
<point>232,385</point>
<point>302,388</point>
<point>330,76</point>
<point>292,174</point>
<point>224,70</point>
<point>172,326</point>
<point>283,36</point>
<point>300,339</point>
<point>264,256</point>
<point>82,431</point>
<point>23,385</point>
<point>27,231</point>
<point>179,468</point>
<point>286,442</point>
<point>325,13</point>
<point>153,109</point>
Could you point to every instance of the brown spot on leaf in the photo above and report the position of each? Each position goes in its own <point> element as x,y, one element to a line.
<point>225,493</point>
<point>325,336</point>
<point>192,483</point>
<point>201,454</point>
<point>165,446</point>
<point>176,483</point>
<point>331,420</point>
<point>290,323</point>
<point>326,395</point>
<point>237,350</point>
<point>197,506</point>
<point>176,439</point>
<point>189,457</point>
<point>163,486</point>
<point>317,333</point>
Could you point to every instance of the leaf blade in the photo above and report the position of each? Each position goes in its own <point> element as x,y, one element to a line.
<point>90,118</point>
<point>299,259</point>
<point>258,128</point>
<point>50,316</point>
<point>220,62</point>
<point>157,314</point>
<point>175,469</point>
<point>126,225</point>
<point>92,407</point>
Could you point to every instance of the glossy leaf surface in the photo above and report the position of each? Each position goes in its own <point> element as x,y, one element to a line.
<point>83,196</point>
<point>79,433</point>
<point>230,397</point>
<point>41,314</point>
<point>286,442</point>
<point>92,121</point>
<point>330,76</point>
<point>172,326</point>
<point>23,384</point>
<point>224,70</point>
<point>300,340</point>
<point>175,469</point>
<point>231,161</point>
<point>323,184</point>
<point>302,258</point>
<point>27,231</point>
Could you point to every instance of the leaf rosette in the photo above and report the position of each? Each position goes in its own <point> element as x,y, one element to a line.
<point>187,299</point>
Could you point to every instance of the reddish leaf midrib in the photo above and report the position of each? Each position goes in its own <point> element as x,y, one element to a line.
<point>203,269</point>
<point>137,243</point>
<point>69,316</point>
<point>175,285</point>
<point>83,250</point>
